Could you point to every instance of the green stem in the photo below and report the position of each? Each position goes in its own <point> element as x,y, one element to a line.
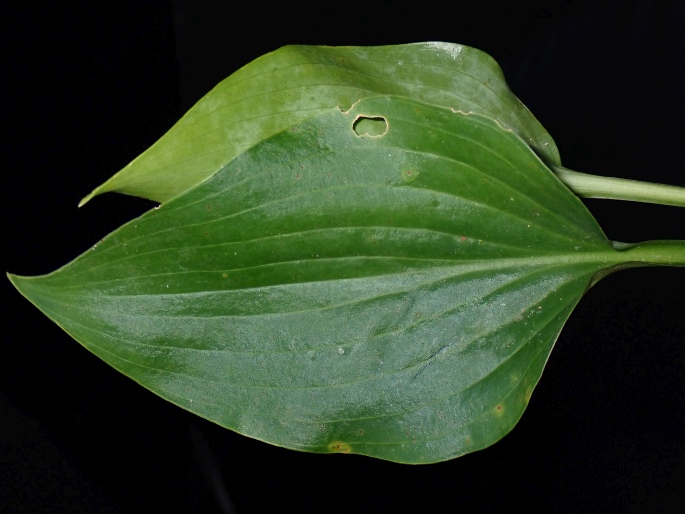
<point>593,186</point>
<point>649,253</point>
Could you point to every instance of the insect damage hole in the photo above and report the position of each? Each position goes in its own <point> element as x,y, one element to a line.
<point>370,126</point>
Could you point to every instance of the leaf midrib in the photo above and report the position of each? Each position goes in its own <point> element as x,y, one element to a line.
<point>605,258</point>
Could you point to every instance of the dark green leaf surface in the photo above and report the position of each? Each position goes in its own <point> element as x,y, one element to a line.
<point>294,83</point>
<point>394,295</point>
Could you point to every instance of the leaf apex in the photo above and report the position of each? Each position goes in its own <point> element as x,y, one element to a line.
<point>19,282</point>
<point>102,188</point>
<point>88,197</point>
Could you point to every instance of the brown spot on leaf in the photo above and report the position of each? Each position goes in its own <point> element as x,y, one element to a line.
<point>339,447</point>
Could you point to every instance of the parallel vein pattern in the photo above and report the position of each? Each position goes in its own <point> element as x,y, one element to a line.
<point>394,296</point>
<point>295,83</point>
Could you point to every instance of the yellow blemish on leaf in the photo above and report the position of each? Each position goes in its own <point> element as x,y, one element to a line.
<point>409,175</point>
<point>339,447</point>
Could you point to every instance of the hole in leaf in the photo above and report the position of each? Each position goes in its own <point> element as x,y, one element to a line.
<point>373,126</point>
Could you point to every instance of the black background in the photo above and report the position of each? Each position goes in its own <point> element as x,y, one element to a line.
<point>87,86</point>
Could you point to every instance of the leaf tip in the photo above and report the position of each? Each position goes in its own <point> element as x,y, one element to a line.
<point>87,198</point>
<point>13,278</point>
<point>19,283</point>
<point>105,187</point>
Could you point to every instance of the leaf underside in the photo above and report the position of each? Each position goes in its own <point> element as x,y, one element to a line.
<point>394,295</point>
<point>294,83</point>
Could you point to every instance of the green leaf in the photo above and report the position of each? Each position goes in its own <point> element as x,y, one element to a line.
<point>394,295</point>
<point>294,83</point>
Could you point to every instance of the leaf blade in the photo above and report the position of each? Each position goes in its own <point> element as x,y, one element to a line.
<point>372,320</point>
<point>294,83</point>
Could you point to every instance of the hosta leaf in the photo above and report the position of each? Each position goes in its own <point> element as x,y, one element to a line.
<point>394,295</point>
<point>294,83</point>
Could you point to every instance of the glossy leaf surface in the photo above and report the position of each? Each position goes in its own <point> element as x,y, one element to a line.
<point>394,295</point>
<point>294,83</point>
